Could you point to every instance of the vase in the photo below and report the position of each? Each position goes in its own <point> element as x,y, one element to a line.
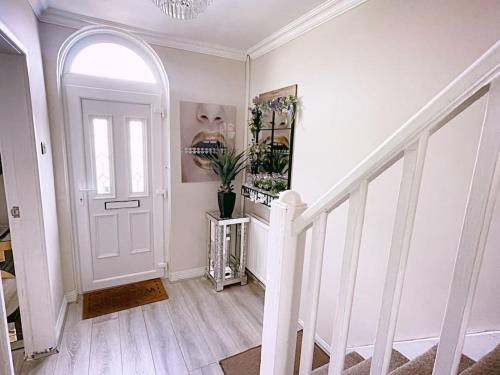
<point>226,204</point>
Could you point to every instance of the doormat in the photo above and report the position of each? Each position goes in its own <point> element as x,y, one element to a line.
<point>107,301</point>
<point>248,362</point>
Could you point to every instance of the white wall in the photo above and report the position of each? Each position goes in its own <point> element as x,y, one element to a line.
<point>18,16</point>
<point>360,77</point>
<point>197,78</point>
<point>192,77</point>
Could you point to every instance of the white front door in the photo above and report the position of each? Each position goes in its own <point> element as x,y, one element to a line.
<point>119,192</point>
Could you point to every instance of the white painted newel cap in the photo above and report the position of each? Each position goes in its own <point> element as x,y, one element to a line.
<point>290,197</point>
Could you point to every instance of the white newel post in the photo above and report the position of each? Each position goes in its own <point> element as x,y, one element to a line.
<point>283,287</point>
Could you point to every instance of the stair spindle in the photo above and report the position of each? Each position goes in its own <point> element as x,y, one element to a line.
<point>313,284</point>
<point>478,215</point>
<point>355,220</point>
<point>413,166</point>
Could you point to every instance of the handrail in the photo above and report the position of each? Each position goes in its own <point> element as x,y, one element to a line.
<point>466,88</point>
<point>290,219</point>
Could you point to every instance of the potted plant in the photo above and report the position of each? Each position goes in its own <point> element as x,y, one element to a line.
<point>227,164</point>
<point>256,154</point>
<point>276,162</point>
<point>271,184</point>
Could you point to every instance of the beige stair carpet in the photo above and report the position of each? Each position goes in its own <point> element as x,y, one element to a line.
<point>351,359</point>
<point>363,368</point>
<point>424,364</point>
<point>488,365</point>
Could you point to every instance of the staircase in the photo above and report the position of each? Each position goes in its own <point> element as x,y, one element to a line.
<point>422,365</point>
<point>291,219</point>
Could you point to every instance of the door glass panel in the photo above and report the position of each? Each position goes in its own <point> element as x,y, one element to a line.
<point>137,138</point>
<point>102,155</point>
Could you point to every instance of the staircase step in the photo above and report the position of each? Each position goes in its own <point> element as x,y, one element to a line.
<point>488,365</point>
<point>351,359</point>
<point>424,364</point>
<point>363,368</point>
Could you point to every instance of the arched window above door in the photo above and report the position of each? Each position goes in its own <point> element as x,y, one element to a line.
<point>111,60</point>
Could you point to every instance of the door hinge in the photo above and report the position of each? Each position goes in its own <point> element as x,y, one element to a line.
<point>161,111</point>
<point>15,212</point>
<point>162,192</point>
<point>162,265</point>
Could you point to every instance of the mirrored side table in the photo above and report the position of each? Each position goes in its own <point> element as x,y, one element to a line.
<point>227,249</point>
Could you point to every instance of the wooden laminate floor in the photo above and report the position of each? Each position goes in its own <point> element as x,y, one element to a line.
<point>186,335</point>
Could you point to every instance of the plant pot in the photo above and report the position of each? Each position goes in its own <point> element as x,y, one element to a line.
<point>226,204</point>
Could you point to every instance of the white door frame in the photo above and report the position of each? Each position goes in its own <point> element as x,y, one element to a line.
<point>161,88</point>
<point>6,366</point>
<point>137,94</point>
<point>22,186</point>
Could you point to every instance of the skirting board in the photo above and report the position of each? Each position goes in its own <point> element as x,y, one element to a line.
<point>61,317</point>
<point>71,296</point>
<point>321,343</point>
<point>187,274</point>
<point>412,348</point>
<point>255,279</point>
<point>476,345</point>
<point>67,298</point>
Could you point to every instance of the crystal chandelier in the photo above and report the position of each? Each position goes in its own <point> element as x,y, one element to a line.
<point>182,9</point>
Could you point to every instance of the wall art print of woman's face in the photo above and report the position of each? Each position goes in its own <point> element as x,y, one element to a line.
<point>204,128</point>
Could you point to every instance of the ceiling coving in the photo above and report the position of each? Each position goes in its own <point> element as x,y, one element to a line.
<point>182,9</point>
<point>227,28</point>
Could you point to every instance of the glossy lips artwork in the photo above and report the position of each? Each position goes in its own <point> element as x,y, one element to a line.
<point>204,129</point>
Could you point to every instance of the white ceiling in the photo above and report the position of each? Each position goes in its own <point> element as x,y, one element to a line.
<point>237,24</point>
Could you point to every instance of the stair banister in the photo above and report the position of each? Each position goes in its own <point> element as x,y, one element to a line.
<point>480,204</point>
<point>290,220</point>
